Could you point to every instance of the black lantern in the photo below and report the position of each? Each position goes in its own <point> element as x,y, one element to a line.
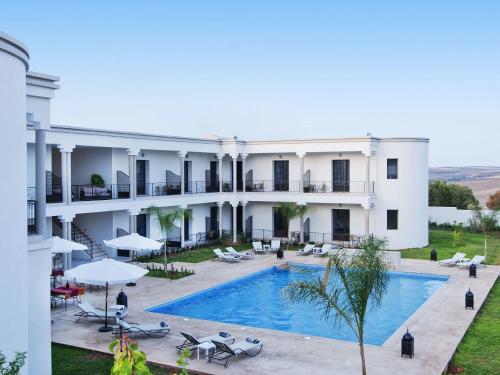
<point>122,299</point>
<point>279,254</point>
<point>472,270</point>
<point>434,255</point>
<point>469,300</point>
<point>407,344</point>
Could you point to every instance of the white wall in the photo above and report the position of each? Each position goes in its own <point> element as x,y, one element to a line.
<point>119,163</point>
<point>14,311</point>
<point>88,160</point>
<point>451,215</point>
<point>99,226</point>
<point>31,171</point>
<point>158,163</point>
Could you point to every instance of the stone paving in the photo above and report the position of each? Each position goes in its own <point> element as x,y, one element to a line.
<point>438,325</point>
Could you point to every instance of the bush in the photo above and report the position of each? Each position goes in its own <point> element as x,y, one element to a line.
<point>494,201</point>
<point>442,194</point>
<point>97,180</point>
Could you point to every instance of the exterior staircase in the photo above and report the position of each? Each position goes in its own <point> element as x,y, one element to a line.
<point>95,251</point>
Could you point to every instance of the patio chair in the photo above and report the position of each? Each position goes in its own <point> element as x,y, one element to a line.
<point>191,342</point>
<point>453,260</point>
<point>275,245</point>
<point>225,256</point>
<point>154,330</point>
<point>477,260</point>
<point>306,250</point>
<point>234,253</point>
<point>88,311</point>
<point>224,352</point>
<point>258,248</point>
<point>323,250</point>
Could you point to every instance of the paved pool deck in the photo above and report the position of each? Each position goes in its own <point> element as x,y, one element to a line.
<point>438,325</point>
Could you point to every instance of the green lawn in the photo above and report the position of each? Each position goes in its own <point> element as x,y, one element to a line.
<point>478,353</point>
<point>75,361</point>
<point>442,240</point>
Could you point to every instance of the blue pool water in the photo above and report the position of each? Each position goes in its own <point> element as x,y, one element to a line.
<point>256,300</point>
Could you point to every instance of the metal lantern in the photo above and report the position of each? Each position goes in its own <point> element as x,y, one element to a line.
<point>407,344</point>
<point>472,270</point>
<point>434,255</point>
<point>122,299</point>
<point>469,300</point>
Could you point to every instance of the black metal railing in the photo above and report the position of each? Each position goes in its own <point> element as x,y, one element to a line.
<point>156,189</point>
<point>104,192</point>
<point>54,189</point>
<point>197,187</point>
<point>339,187</point>
<point>31,215</point>
<point>227,186</point>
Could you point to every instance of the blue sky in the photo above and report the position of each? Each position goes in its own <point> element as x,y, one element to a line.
<point>275,69</point>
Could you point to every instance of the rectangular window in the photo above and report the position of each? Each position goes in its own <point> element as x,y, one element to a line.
<point>392,219</point>
<point>392,169</point>
<point>280,226</point>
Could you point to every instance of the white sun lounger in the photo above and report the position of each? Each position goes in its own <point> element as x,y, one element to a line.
<point>225,256</point>
<point>155,330</point>
<point>224,352</point>
<point>234,253</point>
<point>323,250</point>
<point>275,245</point>
<point>308,249</point>
<point>258,248</point>
<point>453,260</point>
<point>88,311</point>
<point>477,260</point>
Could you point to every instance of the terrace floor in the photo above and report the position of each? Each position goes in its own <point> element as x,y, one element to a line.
<point>438,326</point>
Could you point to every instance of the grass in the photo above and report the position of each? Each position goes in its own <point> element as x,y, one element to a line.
<point>170,274</point>
<point>478,351</point>
<point>76,361</point>
<point>442,241</point>
<point>201,254</point>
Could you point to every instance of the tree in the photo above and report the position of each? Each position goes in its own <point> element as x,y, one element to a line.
<point>347,287</point>
<point>484,222</point>
<point>12,367</point>
<point>166,221</point>
<point>494,201</point>
<point>442,194</point>
<point>129,360</point>
<point>290,211</point>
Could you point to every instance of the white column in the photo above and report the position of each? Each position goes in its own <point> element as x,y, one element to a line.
<point>66,234</point>
<point>367,183</point>
<point>243,216</point>
<point>132,222</point>
<point>243,174</point>
<point>367,222</point>
<point>301,226</point>
<point>220,205</point>
<point>40,182</point>
<point>220,157</point>
<point>235,212</point>
<point>182,157</point>
<point>184,207</point>
<point>132,156</point>
<point>66,173</point>
<point>301,164</point>
<point>235,185</point>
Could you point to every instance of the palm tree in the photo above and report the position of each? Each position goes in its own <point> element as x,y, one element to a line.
<point>290,211</point>
<point>349,284</point>
<point>484,222</point>
<point>166,221</point>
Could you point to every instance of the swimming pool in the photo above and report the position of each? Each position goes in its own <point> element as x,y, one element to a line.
<point>256,300</point>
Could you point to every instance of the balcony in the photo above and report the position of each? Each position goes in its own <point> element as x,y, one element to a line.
<point>361,187</point>
<point>103,192</point>
<point>197,187</point>
<point>159,189</point>
<point>31,214</point>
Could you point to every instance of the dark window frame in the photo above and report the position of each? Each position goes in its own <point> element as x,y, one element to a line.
<point>390,174</point>
<point>392,221</point>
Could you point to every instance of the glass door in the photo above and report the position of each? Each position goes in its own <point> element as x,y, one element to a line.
<point>280,174</point>
<point>141,177</point>
<point>340,225</point>
<point>340,174</point>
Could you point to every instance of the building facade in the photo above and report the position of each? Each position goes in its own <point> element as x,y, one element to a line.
<point>353,187</point>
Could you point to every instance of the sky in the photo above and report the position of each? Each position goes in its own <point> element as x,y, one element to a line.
<point>274,69</point>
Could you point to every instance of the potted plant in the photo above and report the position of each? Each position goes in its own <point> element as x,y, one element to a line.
<point>97,180</point>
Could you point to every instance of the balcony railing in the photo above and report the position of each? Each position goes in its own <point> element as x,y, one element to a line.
<point>31,214</point>
<point>157,189</point>
<point>273,185</point>
<point>339,187</point>
<point>197,187</point>
<point>105,192</point>
<point>227,186</point>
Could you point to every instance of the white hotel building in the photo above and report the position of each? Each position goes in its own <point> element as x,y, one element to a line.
<point>353,187</point>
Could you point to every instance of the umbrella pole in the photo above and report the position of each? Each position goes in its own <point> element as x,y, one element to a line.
<point>106,328</point>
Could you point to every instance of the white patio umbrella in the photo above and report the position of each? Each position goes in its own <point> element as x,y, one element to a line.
<point>60,245</point>
<point>106,272</point>
<point>133,242</point>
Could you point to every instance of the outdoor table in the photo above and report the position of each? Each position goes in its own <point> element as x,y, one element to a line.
<point>207,346</point>
<point>68,293</point>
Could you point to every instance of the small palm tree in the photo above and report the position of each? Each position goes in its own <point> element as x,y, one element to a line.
<point>290,211</point>
<point>166,221</point>
<point>485,222</point>
<point>359,279</point>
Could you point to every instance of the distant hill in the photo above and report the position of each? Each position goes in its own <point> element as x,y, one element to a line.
<point>483,181</point>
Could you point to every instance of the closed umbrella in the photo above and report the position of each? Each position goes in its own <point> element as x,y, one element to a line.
<point>106,272</point>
